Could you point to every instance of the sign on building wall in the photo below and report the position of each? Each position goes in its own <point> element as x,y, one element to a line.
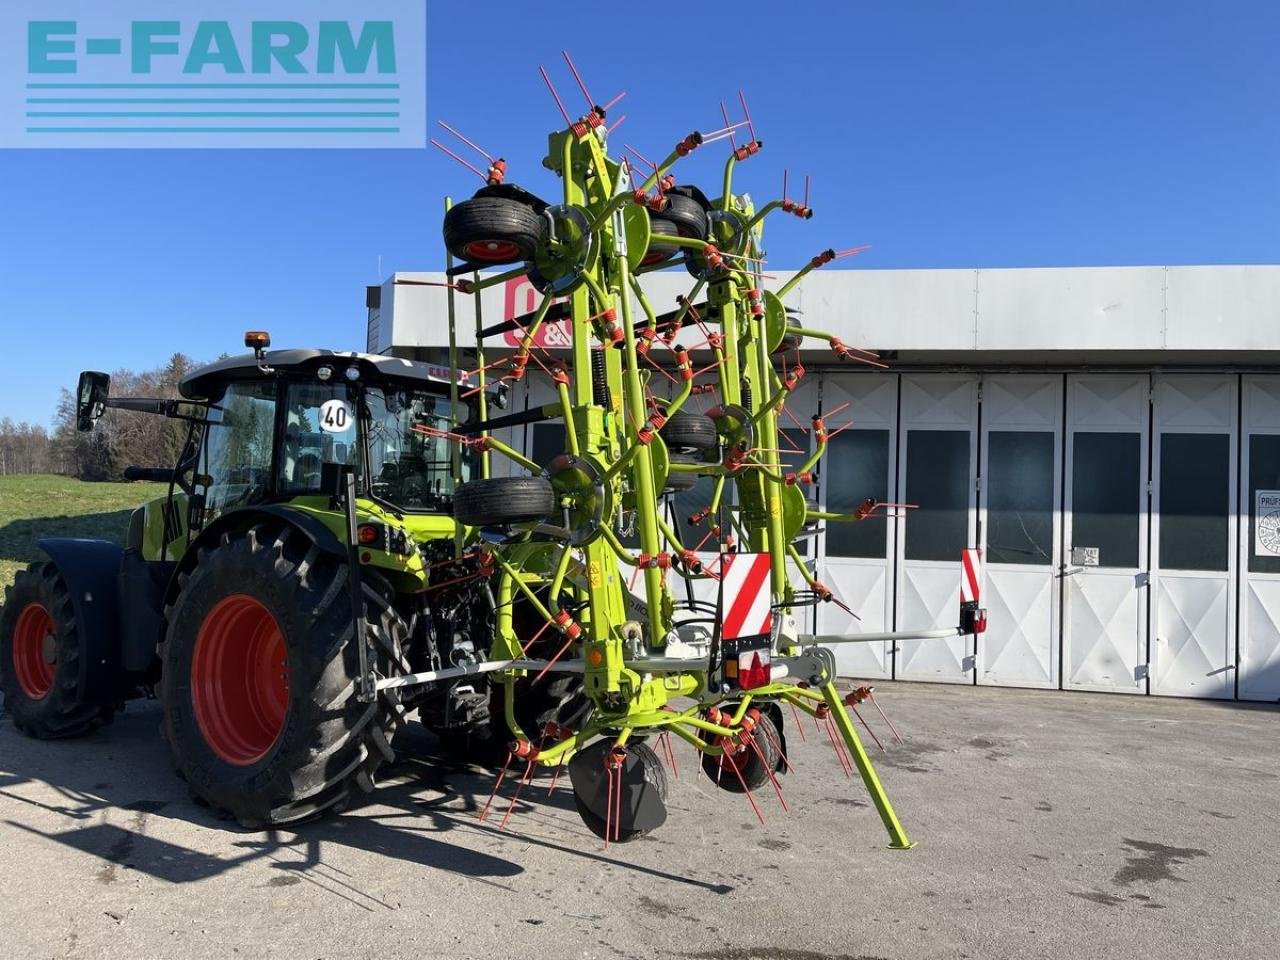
<point>521,299</point>
<point>1266,538</point>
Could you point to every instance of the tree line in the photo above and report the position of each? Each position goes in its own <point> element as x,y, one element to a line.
<point>120,439</point>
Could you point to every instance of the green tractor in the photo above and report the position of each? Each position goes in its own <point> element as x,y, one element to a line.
<point>311,503</point>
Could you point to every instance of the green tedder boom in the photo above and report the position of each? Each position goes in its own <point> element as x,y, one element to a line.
<point>651,665</point>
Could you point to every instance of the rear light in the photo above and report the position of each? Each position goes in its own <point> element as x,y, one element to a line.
<point>754,669</point>
<point>367,534</point>
<point>973,619</point>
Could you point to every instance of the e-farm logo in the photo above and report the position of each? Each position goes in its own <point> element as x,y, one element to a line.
<point>230,73</point>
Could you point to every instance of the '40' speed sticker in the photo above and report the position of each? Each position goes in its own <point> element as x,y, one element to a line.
<point>335,416</point>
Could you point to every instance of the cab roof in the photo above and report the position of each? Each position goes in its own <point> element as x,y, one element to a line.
<point>209,382</point>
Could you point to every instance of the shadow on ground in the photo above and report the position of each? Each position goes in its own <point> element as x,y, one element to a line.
<point>426,798</point>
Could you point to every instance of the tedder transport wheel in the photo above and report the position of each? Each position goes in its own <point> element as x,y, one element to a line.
<point>687,213</point>
<point>502,500</point>
<point>689,433</point>
<point>259,685</point>
<point>748,764</point>
<point>493,230</point>
<point>678,481</point>
<point>658,252</point>
<point>643,788</point>
<point>42,660</point>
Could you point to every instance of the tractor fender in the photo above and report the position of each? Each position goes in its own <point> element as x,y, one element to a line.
<point>90,569</point>
<point>242,519</point>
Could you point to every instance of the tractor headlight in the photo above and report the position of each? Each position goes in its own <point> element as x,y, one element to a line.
<point>324,373</point>
<point>353,373</point>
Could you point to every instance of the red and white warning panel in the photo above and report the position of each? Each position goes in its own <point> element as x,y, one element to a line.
<point>747,598</point>
<point>973,617</point>
<point>746,622</point>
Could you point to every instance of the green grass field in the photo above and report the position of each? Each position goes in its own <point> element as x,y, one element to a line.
<point>32,507</point>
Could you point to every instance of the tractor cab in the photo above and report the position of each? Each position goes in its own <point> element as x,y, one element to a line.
<point>276,427</point>
<point>278,424</point>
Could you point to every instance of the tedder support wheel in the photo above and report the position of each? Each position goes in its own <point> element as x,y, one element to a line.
<point>260,678</point>
<point>493,230</point>
<point>502,500</point>
<point>689,433</point>
<point>750,768</point>
<point>655,777</point>
<point>42,660</point>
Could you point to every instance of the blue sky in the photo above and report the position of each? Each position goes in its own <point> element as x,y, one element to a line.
<point>944,134</point>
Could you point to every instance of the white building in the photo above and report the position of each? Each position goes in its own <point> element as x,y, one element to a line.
<point>1106,435</point>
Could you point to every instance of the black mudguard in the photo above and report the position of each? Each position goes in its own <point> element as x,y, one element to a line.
<point>317,532</point>
<point>90,569</point>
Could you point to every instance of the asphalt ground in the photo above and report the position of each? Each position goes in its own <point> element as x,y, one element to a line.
<point>1047,825</point>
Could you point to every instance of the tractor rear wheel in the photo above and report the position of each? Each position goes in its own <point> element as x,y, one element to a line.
<point>260,678</point>
<point>42,662</point>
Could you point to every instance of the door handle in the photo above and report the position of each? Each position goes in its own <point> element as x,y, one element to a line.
<point>1071,572</point>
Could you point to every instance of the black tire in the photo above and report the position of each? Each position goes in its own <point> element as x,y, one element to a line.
<point>689,433</point>
<point>688,215</point>
<point>503,500</point>
<point>658,252</point>
<point>327,740</point>
<point>654,772</point>
<point>37,602</point>
<point>558,699</point>
<point>755,773</point>
<point>493,230</point>
<point>678,481</point>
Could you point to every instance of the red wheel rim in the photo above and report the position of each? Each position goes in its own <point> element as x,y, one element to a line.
<point>240,680</point>
<point>491,251</point>
<point>34,651</point>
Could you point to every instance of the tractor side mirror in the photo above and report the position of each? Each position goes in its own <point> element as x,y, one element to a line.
<point>91,398</point>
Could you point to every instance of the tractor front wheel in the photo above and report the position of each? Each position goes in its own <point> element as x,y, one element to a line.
<point>42,662</point>
<point>260,678</point>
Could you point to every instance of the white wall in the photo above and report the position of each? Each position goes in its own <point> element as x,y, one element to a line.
<point>1070,309</point>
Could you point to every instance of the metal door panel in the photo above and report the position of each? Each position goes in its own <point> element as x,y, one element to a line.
<point>1019,648</point>
<point>1101,649</point>
<point>1021,644</point>
<point>928,590</point>
<point>930,597</point>
<point>865,401</point>
<point>1260,647</point>
<point>864,589</point>
<point>1259,628</point>
<point>1104,616</point>
<point>1189,655</point>
<point>1193,634</point>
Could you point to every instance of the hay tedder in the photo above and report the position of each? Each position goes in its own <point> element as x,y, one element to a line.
<point>337,549</point>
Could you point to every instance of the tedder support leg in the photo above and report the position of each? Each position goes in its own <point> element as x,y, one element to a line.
<point>897,836</point>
